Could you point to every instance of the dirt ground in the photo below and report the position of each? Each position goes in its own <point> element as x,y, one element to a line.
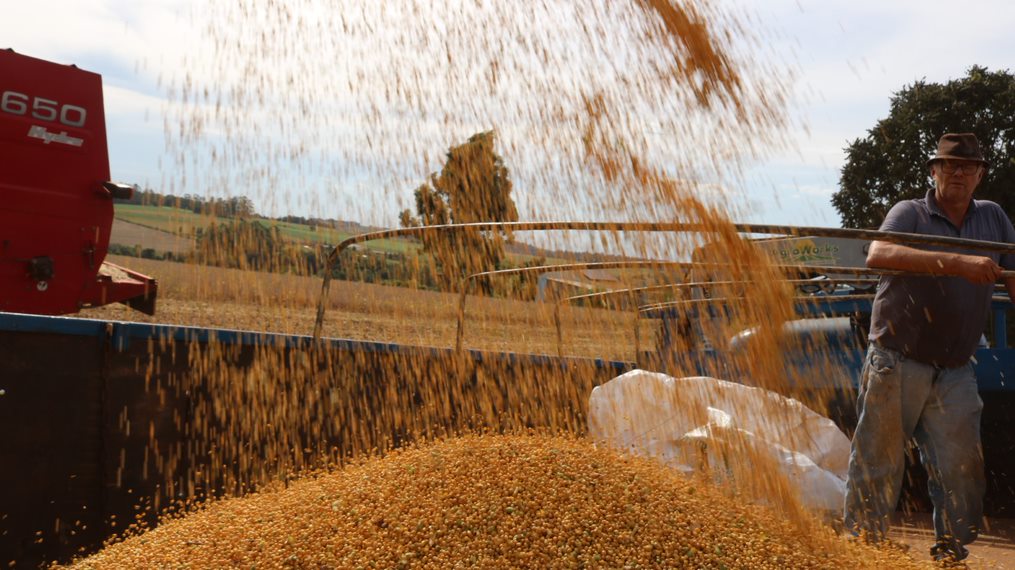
<point>994,549</point>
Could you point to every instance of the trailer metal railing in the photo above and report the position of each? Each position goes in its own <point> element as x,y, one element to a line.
<point>673,227</point>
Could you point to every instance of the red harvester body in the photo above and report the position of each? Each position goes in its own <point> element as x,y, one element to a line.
<point>56,199</point>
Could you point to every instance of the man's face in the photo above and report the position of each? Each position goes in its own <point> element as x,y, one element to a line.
<point>956,179</point>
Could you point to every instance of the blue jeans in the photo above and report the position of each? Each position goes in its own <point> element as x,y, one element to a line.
<point>901,399</point>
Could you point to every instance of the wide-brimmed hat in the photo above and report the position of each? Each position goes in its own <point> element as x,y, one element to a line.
<point>958,146</point>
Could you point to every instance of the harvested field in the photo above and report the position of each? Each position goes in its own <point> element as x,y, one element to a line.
<point>195,295</point>
<point>492,501</point>
<point>130,234</point>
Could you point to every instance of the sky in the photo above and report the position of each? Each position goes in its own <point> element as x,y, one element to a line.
<point>847,57</point>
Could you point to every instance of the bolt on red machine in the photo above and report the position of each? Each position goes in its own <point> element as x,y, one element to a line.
<point>56,198</point>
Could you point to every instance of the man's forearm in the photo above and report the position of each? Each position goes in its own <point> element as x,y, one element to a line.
<point>885,255</point>
<point>975,268</point>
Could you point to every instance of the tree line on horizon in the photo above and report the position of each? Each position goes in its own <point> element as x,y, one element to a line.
<point>232,207</point>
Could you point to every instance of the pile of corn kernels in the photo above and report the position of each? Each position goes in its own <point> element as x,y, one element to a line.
<point>491,501</point>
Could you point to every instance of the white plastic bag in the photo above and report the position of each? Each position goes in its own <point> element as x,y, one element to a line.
<point>697,423</point>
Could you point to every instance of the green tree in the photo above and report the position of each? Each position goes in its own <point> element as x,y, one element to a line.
<point>889,164</point>
<point>473,186</point>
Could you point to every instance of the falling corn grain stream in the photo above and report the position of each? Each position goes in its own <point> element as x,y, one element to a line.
<point>626,110</point>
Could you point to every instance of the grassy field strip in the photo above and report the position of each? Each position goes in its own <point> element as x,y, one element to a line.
<point>172,220</point>
<point>310,234</point>
<point>185,222</point>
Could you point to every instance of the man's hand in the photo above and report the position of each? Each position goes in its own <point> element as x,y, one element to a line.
<point>981,270</point>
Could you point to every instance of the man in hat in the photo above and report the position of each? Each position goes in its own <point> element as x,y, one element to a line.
<point>917,380</point>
